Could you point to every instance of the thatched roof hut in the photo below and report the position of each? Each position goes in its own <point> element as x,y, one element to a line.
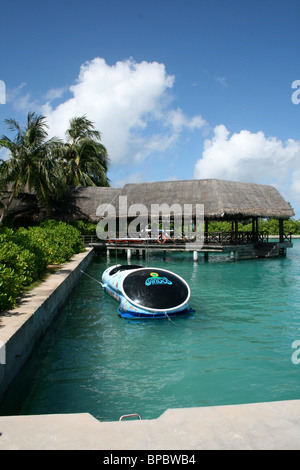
<point>221,199</point>
<point>80,203</point>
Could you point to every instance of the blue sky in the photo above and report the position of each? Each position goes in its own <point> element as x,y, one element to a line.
<point>179,89</point>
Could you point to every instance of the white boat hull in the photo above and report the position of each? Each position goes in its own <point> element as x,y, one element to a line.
<point>147,292</point>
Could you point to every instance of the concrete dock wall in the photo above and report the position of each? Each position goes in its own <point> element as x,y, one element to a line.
<point>21,328</point>
<point>256,426</point>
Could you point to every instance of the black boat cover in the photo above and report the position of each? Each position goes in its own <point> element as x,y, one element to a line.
<point>155,289</point>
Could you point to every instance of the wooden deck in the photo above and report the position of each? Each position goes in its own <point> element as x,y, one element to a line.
<point>240,245</point>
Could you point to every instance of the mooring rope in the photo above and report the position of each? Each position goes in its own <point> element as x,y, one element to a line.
<point>170,320</point>
<point>92,278</point>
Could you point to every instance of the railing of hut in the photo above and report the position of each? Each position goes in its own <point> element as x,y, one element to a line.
<point>235,238</point>
<point>210,238</point>
<point>287,237</point>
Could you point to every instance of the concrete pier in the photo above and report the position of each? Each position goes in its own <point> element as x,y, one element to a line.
<point>260,426</point>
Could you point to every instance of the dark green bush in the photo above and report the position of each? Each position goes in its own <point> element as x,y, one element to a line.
<point>25,253</point>
<point>22,261</point>
<point>10,286</point>
<point>26,240</point>
<point>85,227</point>
<point>268,225</point>
<point>59,240</point>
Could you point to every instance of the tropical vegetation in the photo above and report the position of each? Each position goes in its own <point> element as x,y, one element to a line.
<point>32,165</point>
<point>84,159</point>
<point>268,225</point>
<point>48,167</point>
<point>45,168</point>
<point>26,253</point>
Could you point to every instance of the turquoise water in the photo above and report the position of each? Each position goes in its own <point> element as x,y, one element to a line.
<point>237,348</point>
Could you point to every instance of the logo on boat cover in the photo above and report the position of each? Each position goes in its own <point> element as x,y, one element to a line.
<point>156,279</point>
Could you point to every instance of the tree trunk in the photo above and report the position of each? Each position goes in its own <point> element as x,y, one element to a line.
<point>6,207</point>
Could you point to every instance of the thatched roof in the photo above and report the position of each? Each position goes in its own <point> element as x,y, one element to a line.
<point>84,200</point>
<point>221,199</point>
<point>80,203</point>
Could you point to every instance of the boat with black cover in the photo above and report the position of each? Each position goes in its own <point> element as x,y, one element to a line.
<point>147,292</point>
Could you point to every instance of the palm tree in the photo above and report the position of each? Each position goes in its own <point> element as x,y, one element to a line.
<point>85,158</point>
<point>31,166</point>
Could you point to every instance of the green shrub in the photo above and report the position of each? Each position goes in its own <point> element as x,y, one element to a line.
<point>25,253</point>
<point>84,227</point>
<point>26,240</point>
<point>59,240</point>
<point>10,286</point>
<point>268,225</point>
<point>20,260</point>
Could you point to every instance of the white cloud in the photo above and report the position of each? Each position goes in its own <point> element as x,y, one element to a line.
<point>23,102</point>
<point>177,120</point>
<point>129,103</point>
<point>4,154</point>
<point>252,157</point>
<point>55,93</point>
<point>222,81</point>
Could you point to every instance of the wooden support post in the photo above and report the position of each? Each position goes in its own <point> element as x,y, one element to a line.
<point>255,229</point>
<point>280,230</point>
<point>206,256</point>
<point>128,253</point>
<point>206,231</point>
<point>195,255</point>
<point>236,229</point>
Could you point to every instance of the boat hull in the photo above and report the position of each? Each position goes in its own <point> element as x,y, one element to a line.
<point>145,293</point>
